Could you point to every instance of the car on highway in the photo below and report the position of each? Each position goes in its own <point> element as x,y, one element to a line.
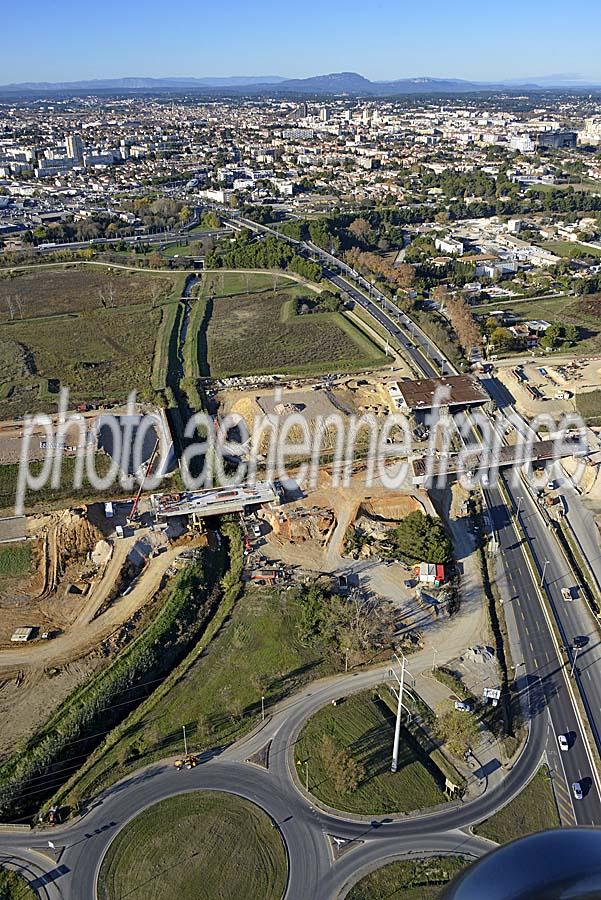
<point>566,593</point>
<point>580,641</point>
<point>577,790</point>
<point>563,742</point>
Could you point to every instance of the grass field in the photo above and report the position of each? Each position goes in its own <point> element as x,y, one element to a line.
<point>87,329</point>
<point>534,809</point>
<point>585,312</point>
<point>230,284</point>
<point>14,887</point>
<point>256,652</point>
<point>199,845</point>
<point>365,727</point>
<point>588,405</point>
<point>48,497</point>
<point>167,340</point>
<point>15,562</point>
<point>419,879</point>
<point>194,346</point>
<point>81,289</point>
<point>568,249</point>
<point>249,335</point>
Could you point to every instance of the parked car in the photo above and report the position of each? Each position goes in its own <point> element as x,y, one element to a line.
<point>463,705</point>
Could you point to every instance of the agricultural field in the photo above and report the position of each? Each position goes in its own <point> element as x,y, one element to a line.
<point>219,841</point>
<point>217,691</point>
<point>84,329</point>
<point>534,809</point>
<point>419,879</point>
<point>364,728</point>
<point>79,289</point>
<point>261,334</point>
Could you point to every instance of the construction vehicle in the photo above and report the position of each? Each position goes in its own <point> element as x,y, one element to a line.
<point>186,762</point>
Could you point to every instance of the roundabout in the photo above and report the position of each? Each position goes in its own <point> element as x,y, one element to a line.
<point>311,835</point>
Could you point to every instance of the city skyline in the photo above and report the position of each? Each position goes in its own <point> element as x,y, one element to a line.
<point>382,42</point>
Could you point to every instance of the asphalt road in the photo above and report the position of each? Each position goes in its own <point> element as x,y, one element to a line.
<point>313,871</point>
<point>545,672</point>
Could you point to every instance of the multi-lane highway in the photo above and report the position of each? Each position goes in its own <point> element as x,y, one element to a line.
<point>305,828</point>
<point>547,671</point>
<point>543,676</point>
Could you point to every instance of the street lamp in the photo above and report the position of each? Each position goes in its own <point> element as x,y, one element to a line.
<point>576,650</point>
<point>542,578</point>
<point>520,501</point>
<point>262,709</point>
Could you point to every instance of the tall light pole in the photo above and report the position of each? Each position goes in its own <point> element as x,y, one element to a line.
<point>346,659</point>
<point>262,709</point>
<point>542,578</point>
<point>397,728</point>
<point>574,658</point>
<point>520,501</point>
<point>434,658</point>
<point>185,741</point>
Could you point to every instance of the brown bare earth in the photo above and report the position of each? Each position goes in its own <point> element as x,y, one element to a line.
<point>92,592</point>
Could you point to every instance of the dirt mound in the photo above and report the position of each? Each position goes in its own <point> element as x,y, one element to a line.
<point>389,509</point>
<point>300,524</point>
<point>75,537</point>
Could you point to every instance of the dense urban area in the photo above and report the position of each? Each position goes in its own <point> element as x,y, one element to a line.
<point>293,687</point>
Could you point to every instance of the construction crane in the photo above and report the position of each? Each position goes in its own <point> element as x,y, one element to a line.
<point>134,509</point>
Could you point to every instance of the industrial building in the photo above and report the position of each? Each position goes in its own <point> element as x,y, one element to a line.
<point>419,396</point>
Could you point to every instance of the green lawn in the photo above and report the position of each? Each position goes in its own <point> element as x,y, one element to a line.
<point>248,335</point>
<point>14,887</point>
<point>198,846</point>
<point>365,727</point>
<point>230,284</point>
<point>568,249</point>
<point>419,879</point>
<point>534,809</point>
<point>15,561</point>
<point>256,652</point>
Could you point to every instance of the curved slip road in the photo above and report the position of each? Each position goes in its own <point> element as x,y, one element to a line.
<point>305,828</point>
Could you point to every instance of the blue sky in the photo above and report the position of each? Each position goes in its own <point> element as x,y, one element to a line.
<point>383,39</point>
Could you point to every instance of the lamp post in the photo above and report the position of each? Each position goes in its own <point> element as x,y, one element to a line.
<point>542,578</point>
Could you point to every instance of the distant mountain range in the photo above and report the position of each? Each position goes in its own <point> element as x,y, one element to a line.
<point>349,83</point>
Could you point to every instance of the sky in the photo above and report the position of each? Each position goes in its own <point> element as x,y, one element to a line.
<point>65,40</point>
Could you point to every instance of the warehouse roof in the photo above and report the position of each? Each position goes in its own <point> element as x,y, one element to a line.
<point>464,390</point>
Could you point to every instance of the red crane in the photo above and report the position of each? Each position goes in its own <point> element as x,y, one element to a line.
<point>134,509</point>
